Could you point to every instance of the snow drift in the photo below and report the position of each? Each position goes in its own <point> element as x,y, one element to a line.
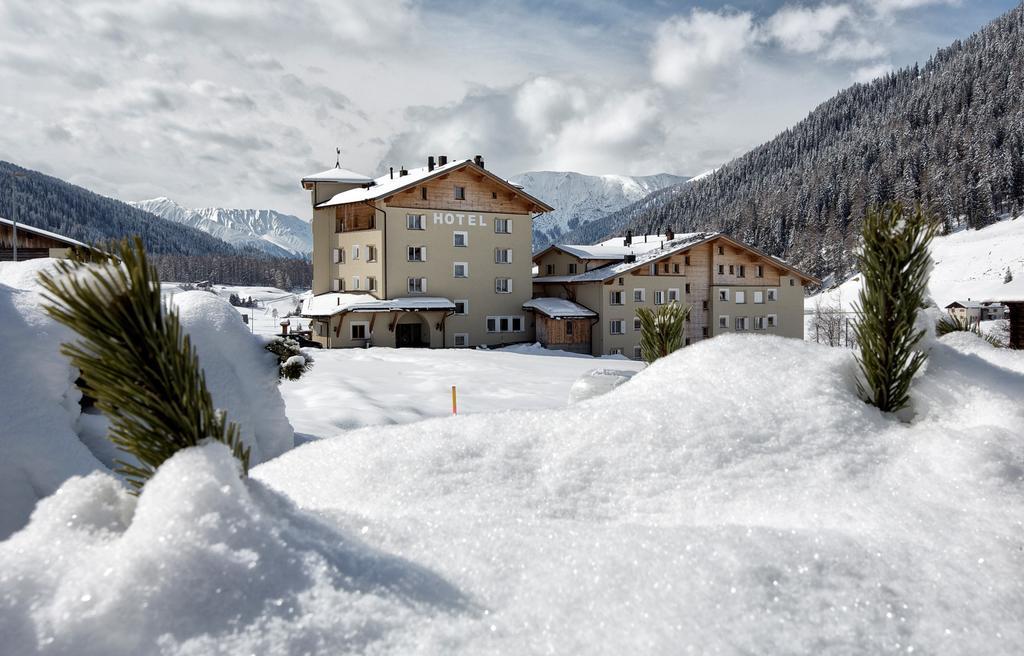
<point>735,497</point>
<point>44,437</point>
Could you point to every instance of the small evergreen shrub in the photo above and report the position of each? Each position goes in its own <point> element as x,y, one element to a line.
<point>291,361</point>
<point>952,324</point>
<point>895,263</point>
<point>135,360</point>
<point>661,330</point>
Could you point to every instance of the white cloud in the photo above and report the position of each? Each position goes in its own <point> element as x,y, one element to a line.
<point>885,6</point>
<point>689,51</point>
<point>805,29</point>
<point>871,72</point>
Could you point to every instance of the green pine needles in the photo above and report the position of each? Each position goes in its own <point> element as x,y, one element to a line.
<point>135,360</point>
<point>661,330</point>
<point>895,264</point>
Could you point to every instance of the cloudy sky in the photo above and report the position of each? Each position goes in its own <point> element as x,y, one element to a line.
<point>229,102</point>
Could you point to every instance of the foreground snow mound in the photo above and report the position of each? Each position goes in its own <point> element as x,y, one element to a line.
<point>735,497</point>
<point>240,374</point>
<point>203,562</point>
<point>39,448</point>
<point>596,382</point>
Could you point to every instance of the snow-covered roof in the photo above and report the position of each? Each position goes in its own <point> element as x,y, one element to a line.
<point>43,233</point>
<point>387,185</point>
<point>331,303</point>
<point>611,249</point>
<point>969,305</point>
<point>338,174</point>
<point>558,308</point>
<point>643,257</point>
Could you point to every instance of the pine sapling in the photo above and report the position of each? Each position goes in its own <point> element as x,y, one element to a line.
<point>661,330</point>
<point>135,360</point>
<point>895,263</point>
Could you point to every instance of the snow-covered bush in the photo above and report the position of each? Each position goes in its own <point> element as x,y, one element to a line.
<point>292,361</point>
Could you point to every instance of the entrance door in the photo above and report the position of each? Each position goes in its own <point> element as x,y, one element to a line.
<point>408,335</point>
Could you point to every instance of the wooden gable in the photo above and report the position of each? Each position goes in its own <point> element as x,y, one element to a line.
<point>481,194</point>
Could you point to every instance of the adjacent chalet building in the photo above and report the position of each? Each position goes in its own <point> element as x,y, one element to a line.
<point>974,311</point>
<point>437,256</point>
<point>32,242</point>
<point>585,297</point>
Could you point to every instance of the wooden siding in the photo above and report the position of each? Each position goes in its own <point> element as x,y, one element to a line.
<point>28,240</point>
<point>552,333</point>
<point>482,195</point>
<point>1016,325</point>
<point>354,216</point>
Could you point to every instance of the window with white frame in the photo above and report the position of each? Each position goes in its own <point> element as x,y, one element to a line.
<point>549,269</point>
<point>637,352</point>
<point>615,351</point>
<point>503,226</point>
<point>659,297</point>
<point>355,251</point>
<point>461,340</point>
<point>460,269</point>
<point>742,323</point>
<point>503,255</point>
<point>460,238</point>
<point>417,254</point>
<point>639,295</point>
<point>773,321</point>
<point>741,271</point>
<point>502,285</point>
<point>371,284</point>
<point>723,321</point>
<point>758,323</point>
<point>338,255</point>
<point>336,285</point>
<point>673,294</point>
<point>615,297</point>
<point>355,282</point>
<point>723,295</point>
<point>371,253</point>
<point>462,307</point>
<point>572,268</point>
<point>417,285</point>
<point>416,221</point>
<point>617,327</point>
<point>652,268</point>
<point>773,294</point>
<point>759,297</point>
<point>637,325</point>
<point>460,193</point>
<point>759,271</point>
<point>359,329</point>
<point>740,297</point>
<point>506,324</point>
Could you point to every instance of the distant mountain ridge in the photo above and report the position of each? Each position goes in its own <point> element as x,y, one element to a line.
<point>50,203</point>
<point>272,232</point>
<point>579,199</point>
<point>948,135</point>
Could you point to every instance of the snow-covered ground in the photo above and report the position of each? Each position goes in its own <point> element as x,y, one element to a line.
<point>969,264</point>
<point>261,319</point>
<point>352,388</point>
<point>735,497</point>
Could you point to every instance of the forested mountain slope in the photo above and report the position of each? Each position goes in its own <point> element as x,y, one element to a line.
<point>949,135</point>
<point>53,204</point>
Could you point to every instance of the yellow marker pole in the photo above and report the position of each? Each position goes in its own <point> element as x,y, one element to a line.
<point>455,407</point>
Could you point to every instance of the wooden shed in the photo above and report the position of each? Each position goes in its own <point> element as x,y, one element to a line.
<point>562,324</point>
<point>32,242</point>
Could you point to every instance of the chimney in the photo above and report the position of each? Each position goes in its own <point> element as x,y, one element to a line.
<point>402,172</point>
<point>669,234</point>
<point>391,172</point>
<point>442,160</point>
<point>430,163</point>
<point>628,241</point>
<point>479,160</point>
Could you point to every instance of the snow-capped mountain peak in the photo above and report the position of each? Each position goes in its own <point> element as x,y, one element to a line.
<point>268,230</point>
<point>579,199</point>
